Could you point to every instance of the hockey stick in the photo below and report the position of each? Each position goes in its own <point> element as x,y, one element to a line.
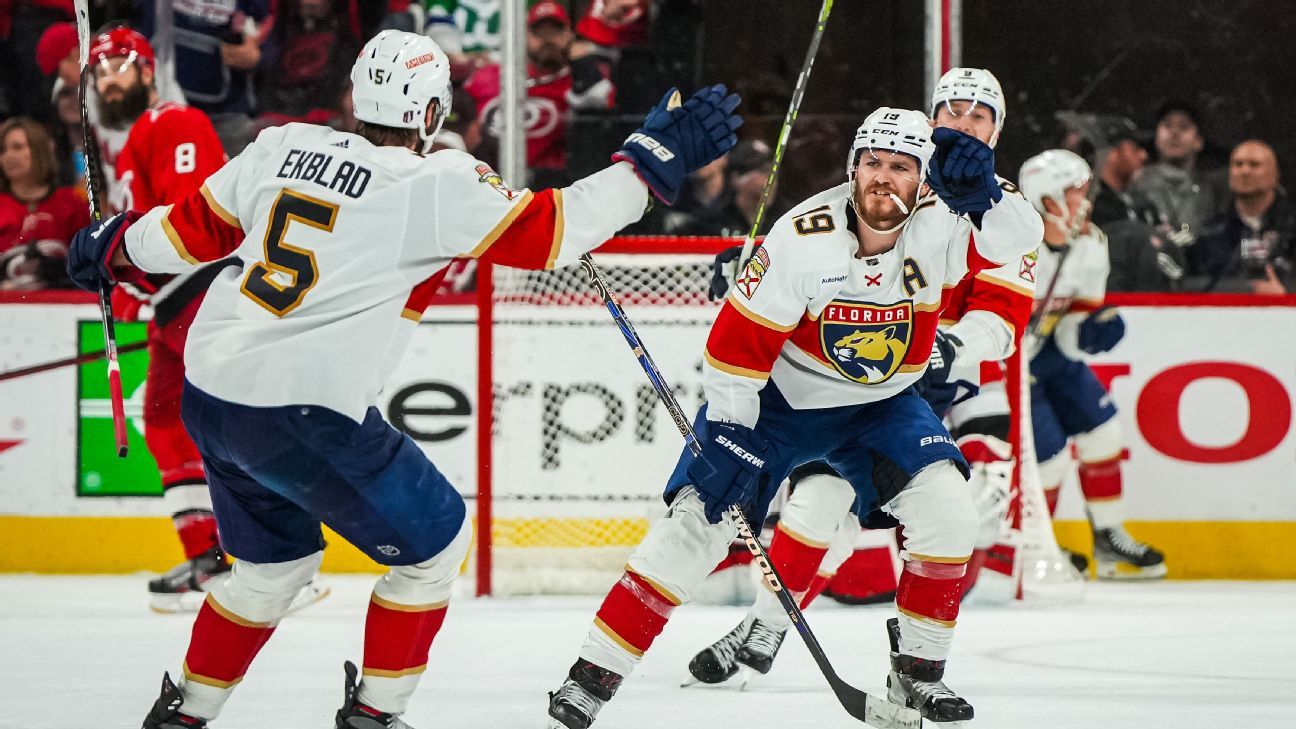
<point>797,93</point>
<point>873,710</point>
<point>68,361</point>
<point>92,174</point>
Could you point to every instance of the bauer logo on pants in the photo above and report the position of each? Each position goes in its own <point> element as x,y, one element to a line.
<point>866,342</point>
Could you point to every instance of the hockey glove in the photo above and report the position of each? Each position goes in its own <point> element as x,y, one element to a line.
<point>937,385</point>
<point>93,247</point>
<point>962,173</point>
<point>723,272</point>
<point>675,141</point>
<point>729,469</point>
<point>1101,331</point>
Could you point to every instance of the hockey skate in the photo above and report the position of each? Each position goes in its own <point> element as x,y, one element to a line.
<point>577,702</point>
<point>355,715</point>
<point>1119,556</point>
<point>184,587</point>
<point>166,713</point>
<point>753,644</point>
<point>917,683</point>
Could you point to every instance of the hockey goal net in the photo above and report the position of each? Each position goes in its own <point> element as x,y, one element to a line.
<point>574,447</point>
<point>579,448</point>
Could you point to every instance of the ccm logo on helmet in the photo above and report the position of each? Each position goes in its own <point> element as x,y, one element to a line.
<point>652,145</point>
<point>425,58</point>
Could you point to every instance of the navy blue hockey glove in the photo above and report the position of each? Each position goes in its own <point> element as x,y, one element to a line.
<point>723,272</point>
<point>729,469</point>
<point>93,246</point>
<point>936,385</point>
<point>1101,331</point>
<point>674,142</point>
<point>962,172</point>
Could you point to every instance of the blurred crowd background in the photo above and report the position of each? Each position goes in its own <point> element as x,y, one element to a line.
<point>1179,106</point>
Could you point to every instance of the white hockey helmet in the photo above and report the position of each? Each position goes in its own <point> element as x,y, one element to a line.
<point>893,130</point>
<point>394,79</point>
<point>972,84</point>
<point>1047,176</point>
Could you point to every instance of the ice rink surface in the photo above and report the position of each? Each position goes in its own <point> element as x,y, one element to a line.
<point>82,652</point>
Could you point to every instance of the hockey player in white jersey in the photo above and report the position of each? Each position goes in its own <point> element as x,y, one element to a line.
<point>982,318</point>
<point>1068,403</point>
<point>343,238</point>
<point>813,357</point>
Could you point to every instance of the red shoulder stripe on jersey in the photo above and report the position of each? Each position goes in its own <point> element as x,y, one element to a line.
<point>529,236</point>
<point>806,339</point>
<point>923,335</point>
<point>743,346</point>
<point>199,232</point>
<point>421,296</point>
<point>217,208</point>
<point>767,323</point>
<point>1011,303</point>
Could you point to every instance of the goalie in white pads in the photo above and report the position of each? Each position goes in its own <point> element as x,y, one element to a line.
<point>813,357</point>
<point>344,238</point>
<point>1068,403</point>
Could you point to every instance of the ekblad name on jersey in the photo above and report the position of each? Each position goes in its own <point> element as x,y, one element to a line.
<point>830,329</point>
<point>343,244</point>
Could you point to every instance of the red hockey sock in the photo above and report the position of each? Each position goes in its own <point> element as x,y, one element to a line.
<point>634,613</point>
<point>816,589</point>
<point>930,591</point>
<point>1101,481</point>
<point>197,530</point>
<point>866,576</point>
<point>398,637</point>
<point>974,566</point>
<point>222,646</point>
<point>795,559</point>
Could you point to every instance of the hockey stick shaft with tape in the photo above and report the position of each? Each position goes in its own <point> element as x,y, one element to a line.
<point>786,131</point>
<point>873,710</point>
<point>93,173</point>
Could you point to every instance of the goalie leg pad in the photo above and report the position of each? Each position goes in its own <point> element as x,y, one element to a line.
<point>237,619</point>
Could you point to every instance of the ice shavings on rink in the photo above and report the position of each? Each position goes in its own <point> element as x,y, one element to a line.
<point>85,651</point>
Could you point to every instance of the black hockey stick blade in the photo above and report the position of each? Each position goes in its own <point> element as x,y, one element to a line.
<point>872,710</point>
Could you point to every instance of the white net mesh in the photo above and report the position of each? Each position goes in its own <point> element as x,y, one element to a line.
<point>582,447</point>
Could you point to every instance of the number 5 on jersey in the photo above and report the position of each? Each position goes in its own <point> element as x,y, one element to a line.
<point>288,273</point>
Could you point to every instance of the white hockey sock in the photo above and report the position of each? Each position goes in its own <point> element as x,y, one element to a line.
<point>924,639</point>
<point>601,650</point>
<point>1106,513</point>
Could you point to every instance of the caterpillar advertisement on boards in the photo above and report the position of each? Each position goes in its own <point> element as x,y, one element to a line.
<point>1207,424</point>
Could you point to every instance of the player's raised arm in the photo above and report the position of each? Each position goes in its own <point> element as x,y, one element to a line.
<point>552,228</point>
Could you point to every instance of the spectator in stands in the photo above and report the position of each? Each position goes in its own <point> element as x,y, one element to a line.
<point>1252,246</point>
<point>1185,196</point>
<point>214,47</point>
<point>58,57</point>
<point>306,61</point>
<point>1141,258</point>
<point>37,217</point>
<point>619,31</point>
<point>462,129</point>
<point>702,193</point>
<point>616,23</point>
<point>748,169</point>
<point>557,85</point>
<point>28,21</point>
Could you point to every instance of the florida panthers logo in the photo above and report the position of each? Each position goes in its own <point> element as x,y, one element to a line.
<point>866,342</point>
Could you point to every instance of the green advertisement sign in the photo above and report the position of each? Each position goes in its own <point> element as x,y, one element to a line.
<point>99,471</point>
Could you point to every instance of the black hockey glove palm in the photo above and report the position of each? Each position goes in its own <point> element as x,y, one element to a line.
<point>1101,331</point>
<point>673,142</point>
<point>729,469</point>
<point>962,173</point>
<point>723,272</point>
<point>93,247</point>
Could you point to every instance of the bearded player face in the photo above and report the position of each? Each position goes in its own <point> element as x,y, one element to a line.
<point>123,91</point>
<point>880,178</point>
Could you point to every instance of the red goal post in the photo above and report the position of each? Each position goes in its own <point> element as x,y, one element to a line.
<point>572,453</point>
